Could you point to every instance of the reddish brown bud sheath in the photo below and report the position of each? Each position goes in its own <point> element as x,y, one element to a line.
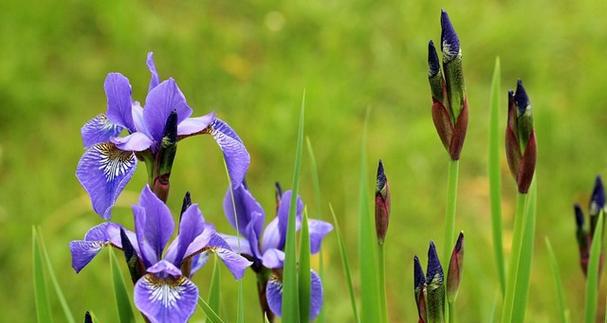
<point>456,264</point>
<point>382,204</point>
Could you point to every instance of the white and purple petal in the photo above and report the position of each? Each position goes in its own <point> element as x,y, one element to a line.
<point>271,236</point>
<point>137,141</point>
<point>318,230</point>
<point>235,154</point>
<point>104,170</point>
<point>160,102</point>
<point>99,129</point>
<point>118,93</point>
<point>237,244</point>
<point>164,295</point>
<point>273,258</point>
<point>191,126</point>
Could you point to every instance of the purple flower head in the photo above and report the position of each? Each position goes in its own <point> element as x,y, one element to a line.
<point>597,200</point>
<point>434,271</point>
<point>418,286</point>
<point>164,292</point>
<point>449,40</point>
<point>433,62</point>
<point>266,246</point>
<point>109,160</point>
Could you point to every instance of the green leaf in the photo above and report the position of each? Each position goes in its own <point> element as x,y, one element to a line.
<point>240,306</point>
<point>206,308</point>
<point>304,270</point>
<point>215,287</point>
<point>593,278</point>
<point>290,301</point>
<point>495,146</point>
<point>558,285</point>
<point>123,301</point>
<point>43,308</point>
<point>51,273</point>
<point>345,264</point>
<point>452,180</point>
<point>367,244</point>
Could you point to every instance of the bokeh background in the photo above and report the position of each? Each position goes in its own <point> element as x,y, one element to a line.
<point>250,61</point>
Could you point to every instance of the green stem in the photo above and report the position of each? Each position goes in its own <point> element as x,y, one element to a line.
<point>451,206</point>
<point>451,306</point>
<point>517,241</point>
<point>382,283</point>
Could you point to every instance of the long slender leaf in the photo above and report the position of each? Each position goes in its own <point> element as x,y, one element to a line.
<point>495,146</point>
<point>304,270</point>
<point>345,264</point>
<point>558,285</point>
<point>121,296</point>
<point>367,242</point>
<point>452,182</point>
<point>43,308</point>
<point>208,311</point>
<point>290,301</point>
<point>592,281</point>
<point>215,287</point>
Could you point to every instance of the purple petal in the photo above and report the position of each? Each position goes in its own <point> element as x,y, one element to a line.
<point>316,295</point>
<point>118,93</point>
<point>201,242</point>
<point>238,244</point>
<point>192,126</point>
<point>274,295</point>
<point>155,79</point>
<point>99,129</point>
<point>153,224</point>
<point>168,299</point>
<point>271,236</point>
<point>138,118</point>
<point>283,215</point>
<point>273,258</point>
<point>318,230</point>
<point>245,206</point>
<point>236,263</point>
<point>83,252</point>
<point>160,102</point>
<point>191,226</point>
<point>104,171</point>
<point>235,154</point>
<point>198,261</point>
<point>137,141</point>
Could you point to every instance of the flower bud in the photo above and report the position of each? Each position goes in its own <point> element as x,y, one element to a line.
<point>435,287</point>
<point>520,138</point>
<point>382,204</point>
<point>582,237</point>
<point>596,204</point>
<point>135,266</point>
<point>419,287</point>
<point>165,158</point>
<point>456,266</point>
<point>87,317</point>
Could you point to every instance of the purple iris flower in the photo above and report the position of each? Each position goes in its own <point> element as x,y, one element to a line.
<point>110,160</point>
<point>266,247</point>
<point>164,292</point>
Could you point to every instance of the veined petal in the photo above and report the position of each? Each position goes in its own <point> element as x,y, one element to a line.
<point>237,244</point>
<point>242,208</point>
<point>235,154</point>
<point>155,79</point>
<point>160,102</point>
<point>198,261</point>
<point>99,236</point>
<point>192,126</point>
<point>99,129</point>
<point>153,225</point>
<point>118,93</point>
<point>316,295</point>
<point>274,295</point>
<point>104,171</point>
<point>283,215</point>
<point>137,141</point>
<point>164,297</point>
<point>236,263</point>
<point>273,258</point>
<point>318,230</point>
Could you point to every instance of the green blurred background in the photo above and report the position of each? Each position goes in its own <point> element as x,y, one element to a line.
<point>250,62</point>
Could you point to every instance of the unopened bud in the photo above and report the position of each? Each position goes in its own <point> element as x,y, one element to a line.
<point>435,287</point>
<point>382,204</point>
<point>456,266</point>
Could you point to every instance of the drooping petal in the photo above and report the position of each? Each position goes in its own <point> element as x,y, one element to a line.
<point>236,263</point>
<point>283,215</point>
<point>273,258</point>
<point>137,141</point>
<point>316,295</point>
<point>95,239</point>
<point>274,295</point>
<point>192,126</point>
<point>318,230</point>
<point>155,79</point>
<point>235,154</point>
<point>118,93</point>
<point>99,129</point>
<point>166,296</point>
<point>160,102</point>
<point>241,209</point>
<point>198,261</point>
<point>153,225</point>
<point>104,171</point>
<point>237,244</point>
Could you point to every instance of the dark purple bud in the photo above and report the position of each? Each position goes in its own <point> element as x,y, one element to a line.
<point>434,270</point>
<point>130,255</point>
<point>433,62</point>
<point>579,216</point>
<point>521,98</point>
<point>382,204</point>
<point>435,287</point>
<point>187,201</point>
<point>456,265</point>
<point>277,194</point>
<point>597,200</point>
<point>170,130</point>
<point>165,158</point>
<point>87,317</point>
<point>582,237</point>
<point>419,284</point>
<point>449,40</point>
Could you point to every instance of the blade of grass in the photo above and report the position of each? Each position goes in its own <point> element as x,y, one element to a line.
<point>558,285</point>
<point>304,270</point>
<point>526,258</point>
<point>43,307</point>
<point>208,311</point>
<point>290,301</point>
<point>121,296</point>
<point>367,242</point>
<point>345,264</point>
<point>592,281</point>
<point>51,273</point>
<point>495,147</point>
<point>215,287</point>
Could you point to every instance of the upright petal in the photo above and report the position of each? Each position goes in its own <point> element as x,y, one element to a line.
<point>273,258</point>
<point>318,230</point>
<point>191,226</point>
<point>191,126</point>
<point>283,215</point>
<point>241,208</point>
<point>164,295</point>
<point>271,236</point>
<point>138,120</point>
<point>99,129</point>
<point>160,102</point>
<point>235,154</point>
<point>118,93</point>
<point>153,223</point>
<point>137,141</point>
<point>104,171</point>
<point>155,79</point>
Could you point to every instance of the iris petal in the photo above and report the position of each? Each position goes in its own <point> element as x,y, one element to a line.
<point>99,129</point>
<point>274,295</point>
<point>104,171</point>
<point>83,252</point>
<point>283,215</point>
<point>154,79</point>
<point>137,141</point>
<point>318,230</point>
<point>160,102</point>
<point>191,126</point>
<point>235,154</point>
<point>242,209</point>
<point>153,225</point>
<point>118,93</point>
